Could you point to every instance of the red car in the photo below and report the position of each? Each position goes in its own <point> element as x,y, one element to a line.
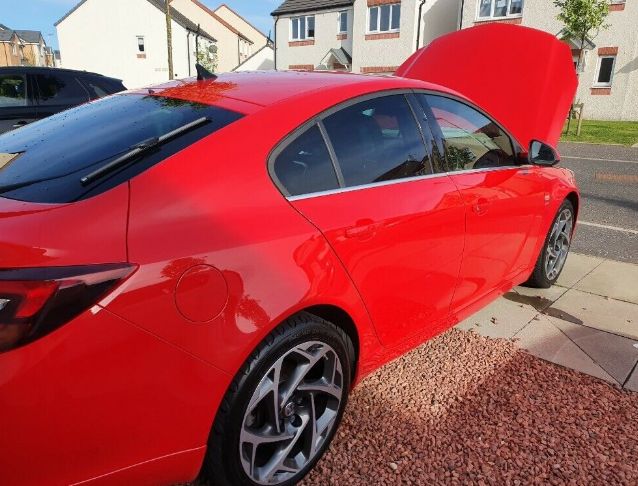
<point>197,274</point>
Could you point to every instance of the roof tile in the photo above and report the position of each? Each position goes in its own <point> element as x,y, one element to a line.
<point>295,6</point>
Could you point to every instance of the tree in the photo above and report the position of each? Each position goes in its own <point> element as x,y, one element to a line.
<point>207,57</point>
<point>583,20</point>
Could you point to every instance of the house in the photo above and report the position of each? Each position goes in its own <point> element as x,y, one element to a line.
<point>257,37</point>
<point>363,36</point>
<point>262,60</point>
<point>608,81</point>
<point>11,48</point>
<point>233,47</point>
<point>23,47</point>
<point>127,39</point>
<point>34,48</point>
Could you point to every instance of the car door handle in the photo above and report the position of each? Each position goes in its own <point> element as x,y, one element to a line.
<point>20,123</point>
<point>363,230</point>
<point>480,207</point>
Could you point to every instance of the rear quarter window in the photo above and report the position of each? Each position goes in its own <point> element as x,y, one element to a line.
<point>45,161</point>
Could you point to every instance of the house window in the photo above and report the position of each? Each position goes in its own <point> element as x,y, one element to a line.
<point>384,18</point>
<point>605,71</point>
<point>140,43</point>
<point>497,9</point>
<point>343,22</point>
<point>14,48</point>
<point>302,28</point>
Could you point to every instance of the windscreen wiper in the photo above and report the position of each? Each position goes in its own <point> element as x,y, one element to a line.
<point>138,149</point>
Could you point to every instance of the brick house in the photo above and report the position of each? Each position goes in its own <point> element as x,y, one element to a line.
<point>363,36</point>
<point>609,76</point>
<point>11,48</point>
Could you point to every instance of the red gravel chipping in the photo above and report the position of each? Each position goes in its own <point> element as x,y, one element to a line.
<point>463,409</point>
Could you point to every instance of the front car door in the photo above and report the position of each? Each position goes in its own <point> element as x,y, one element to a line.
<point>397,227</point>
<point>504,198</point>
<point>16,106</point>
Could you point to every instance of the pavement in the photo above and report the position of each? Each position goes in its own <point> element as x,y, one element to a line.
<point>587,322</point>
<point>608,179</point>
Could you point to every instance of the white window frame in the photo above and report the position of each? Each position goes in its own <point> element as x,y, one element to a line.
<point>137,38</point>
<point>307,37</point>
<point>378,7</point>
<point>14,48</point>
<point>346,13</point>
<point>491,16</point>
<point>598,84</point>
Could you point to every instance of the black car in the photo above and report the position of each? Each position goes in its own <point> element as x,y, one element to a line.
<point>31,93</point>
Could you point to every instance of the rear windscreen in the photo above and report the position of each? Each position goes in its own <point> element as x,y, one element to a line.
<point>45,161</point>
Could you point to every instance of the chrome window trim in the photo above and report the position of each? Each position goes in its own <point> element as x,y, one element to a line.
<point>373,185</point>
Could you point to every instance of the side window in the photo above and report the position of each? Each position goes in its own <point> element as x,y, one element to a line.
<point>377,140</point>
<point>96,88</point>
<point>13,91</point>
<point>60,89</point>
<point>305,166</point>
<point>471,140</point>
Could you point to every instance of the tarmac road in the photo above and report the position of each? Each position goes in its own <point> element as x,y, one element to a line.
<point>608,179</point>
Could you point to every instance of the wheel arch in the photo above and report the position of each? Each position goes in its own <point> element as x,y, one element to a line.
<point>573,198</point>
<point>340,318</point>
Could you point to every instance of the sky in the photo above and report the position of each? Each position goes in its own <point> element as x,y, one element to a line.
<point>42,14</point>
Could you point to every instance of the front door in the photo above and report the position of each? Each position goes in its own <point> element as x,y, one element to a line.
<point>397,227</point>
<point>504,200</point>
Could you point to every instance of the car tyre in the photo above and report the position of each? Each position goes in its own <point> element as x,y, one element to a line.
<point>555,250</point>
<point>307,363</point>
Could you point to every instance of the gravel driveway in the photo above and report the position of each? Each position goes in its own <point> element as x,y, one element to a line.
<point>464,409</point>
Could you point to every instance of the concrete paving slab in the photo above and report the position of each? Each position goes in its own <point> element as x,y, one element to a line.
<point>613,279</point>
<point>541,338</point>
<point>632,383</point>
<point>601,313</point>
<point>501,319</point>
<point>576,268</point>
<point>615,354</point>
<point>541,297</point>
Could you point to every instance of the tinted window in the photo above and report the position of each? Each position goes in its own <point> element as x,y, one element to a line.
<point>304,166</point>
<point>51,155</point>
<point>60,89</point>
<point>13,91</point>
<point>98,87</point>
<point>471,140</point>
<point>377,140</point>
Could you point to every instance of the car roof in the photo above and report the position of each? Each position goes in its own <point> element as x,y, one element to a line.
<point>265,88</point>
<point>43,69</point>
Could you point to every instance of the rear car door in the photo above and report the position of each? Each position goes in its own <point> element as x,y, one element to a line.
<point>58,91</point>
<point>504,198</point>
<point>16,106</point>
<point>397,227</point>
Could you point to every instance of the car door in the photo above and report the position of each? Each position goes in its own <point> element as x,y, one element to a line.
<point>397,227</point>
<point>58,91</point>
<point>504,197</point>
<point>16,106</point>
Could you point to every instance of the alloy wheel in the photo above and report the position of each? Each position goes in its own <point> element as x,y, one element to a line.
<point>558,244</point>
<point>291,413</point>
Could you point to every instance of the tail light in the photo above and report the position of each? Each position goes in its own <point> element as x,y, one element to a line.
<point>36,301</point>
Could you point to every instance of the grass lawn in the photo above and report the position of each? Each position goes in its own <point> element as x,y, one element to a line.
<point>621,132</point>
